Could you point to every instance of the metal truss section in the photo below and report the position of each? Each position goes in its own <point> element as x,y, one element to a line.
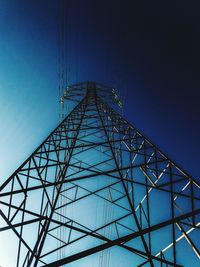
<point>96,192</point>
<point>76,92</point>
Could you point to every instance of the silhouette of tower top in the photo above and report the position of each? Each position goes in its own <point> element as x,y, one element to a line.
<point>97,192</point>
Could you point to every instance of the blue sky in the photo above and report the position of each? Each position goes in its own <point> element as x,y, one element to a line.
<point>28,95</point>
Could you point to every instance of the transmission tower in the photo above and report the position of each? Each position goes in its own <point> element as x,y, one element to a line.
<point>97,192</point>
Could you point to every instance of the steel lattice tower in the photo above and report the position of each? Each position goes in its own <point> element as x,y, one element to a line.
<point>96,192</point>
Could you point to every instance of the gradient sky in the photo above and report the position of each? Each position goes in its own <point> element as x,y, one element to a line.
<point>149,50</point>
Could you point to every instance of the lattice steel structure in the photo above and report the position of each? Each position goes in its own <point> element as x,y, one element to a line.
<point>97,192</point>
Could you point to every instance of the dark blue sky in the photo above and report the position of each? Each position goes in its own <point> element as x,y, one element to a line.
<point>147,49</point>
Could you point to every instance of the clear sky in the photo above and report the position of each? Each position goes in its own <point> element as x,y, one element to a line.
<point>147,49</point>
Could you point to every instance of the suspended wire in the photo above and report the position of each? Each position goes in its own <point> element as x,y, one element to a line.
<point>67,34</point>
<point>62,55</point>
<point>67,50</point>
<point>68,45</point>
<point>61,216</point>
<point>107,217</point>
<point>76,33</point>
<point>67,59</point>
